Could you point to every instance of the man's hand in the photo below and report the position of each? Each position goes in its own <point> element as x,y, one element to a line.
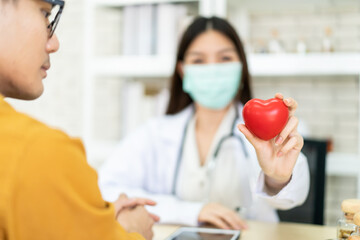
<point>137,219</point>
<point>124,202</point>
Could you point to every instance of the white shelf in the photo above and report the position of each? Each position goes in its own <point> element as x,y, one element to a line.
<point>312,64</point>
<point>121,3</point>
<point>343,164</point>
<point>304,64</point>
<point>133,66</point>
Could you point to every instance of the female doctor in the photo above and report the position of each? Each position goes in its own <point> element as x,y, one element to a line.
<point>194,162</point>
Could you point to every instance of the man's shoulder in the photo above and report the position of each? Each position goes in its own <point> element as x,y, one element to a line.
<point>27,125</point>
<point>47,147</point>
<point>29,146</point>
<point>23,129</point>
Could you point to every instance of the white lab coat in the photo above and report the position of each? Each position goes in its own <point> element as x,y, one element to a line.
<point>144,165</point>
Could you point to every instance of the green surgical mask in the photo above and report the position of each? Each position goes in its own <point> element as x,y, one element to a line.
<point>213,86</point>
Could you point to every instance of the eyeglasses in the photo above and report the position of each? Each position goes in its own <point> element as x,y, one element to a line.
<point>58,6</point>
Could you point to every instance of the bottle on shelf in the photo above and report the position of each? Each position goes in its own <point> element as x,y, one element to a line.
<point>327,43</point>
<point>248,47</point>
<point>260,46</point>
<point>301,46</point>
<point>346,225</point>
<point>275,46</point>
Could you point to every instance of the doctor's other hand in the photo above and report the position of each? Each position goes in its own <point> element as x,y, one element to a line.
<point>137,220</point>
<point>277,157</point>
<point>221,217</point>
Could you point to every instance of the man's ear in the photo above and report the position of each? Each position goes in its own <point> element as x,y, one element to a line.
<point>180,69</point>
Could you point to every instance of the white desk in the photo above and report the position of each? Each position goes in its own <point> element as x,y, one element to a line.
<point>268,231</point>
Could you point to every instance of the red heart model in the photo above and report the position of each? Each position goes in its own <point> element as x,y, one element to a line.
<point>265,118</point>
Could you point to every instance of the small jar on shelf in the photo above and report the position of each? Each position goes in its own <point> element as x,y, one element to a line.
<point>346,225</point>
<point>356,235</point>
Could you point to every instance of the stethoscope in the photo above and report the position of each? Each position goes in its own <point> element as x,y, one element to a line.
<point>211,164</point>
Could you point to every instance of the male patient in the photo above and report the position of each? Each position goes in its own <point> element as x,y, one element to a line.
<point>47,189</point>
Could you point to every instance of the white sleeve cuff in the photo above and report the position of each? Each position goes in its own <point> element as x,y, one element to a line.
<point>261,188</point>
<point>294,193</point>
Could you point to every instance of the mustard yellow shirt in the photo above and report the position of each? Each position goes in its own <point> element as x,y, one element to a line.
<point>47,189</point>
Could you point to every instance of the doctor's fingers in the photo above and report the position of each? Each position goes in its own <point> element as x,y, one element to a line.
<point>122,196</point>
<point>279,96</point>
<point>292,105</point>
<point>289,102</point>
<point>217,221</point>
<point>154,217</point>
<point>233,220</point>
<point>249,136</point>
<point>295,142</point>
<point>120,203</point>
<point>141,201</point>
<point>291,126</point>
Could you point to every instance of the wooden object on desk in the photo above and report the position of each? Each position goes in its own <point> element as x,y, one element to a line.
<point>267,231</point>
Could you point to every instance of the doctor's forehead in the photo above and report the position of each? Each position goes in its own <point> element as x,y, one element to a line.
<point>214,41</point>
<point>198,52</point>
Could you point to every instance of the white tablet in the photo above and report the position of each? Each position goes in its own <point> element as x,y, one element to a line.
<point>194,233</point>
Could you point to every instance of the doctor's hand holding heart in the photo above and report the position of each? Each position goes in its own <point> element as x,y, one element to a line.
<point>271,127</point>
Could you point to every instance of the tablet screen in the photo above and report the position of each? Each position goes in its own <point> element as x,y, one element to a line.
<point>202,236</point>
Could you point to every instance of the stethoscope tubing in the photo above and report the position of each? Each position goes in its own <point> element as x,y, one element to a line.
<point>218,147</point>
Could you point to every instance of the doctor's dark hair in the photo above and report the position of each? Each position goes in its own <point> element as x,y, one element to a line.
<point>180,99</point>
